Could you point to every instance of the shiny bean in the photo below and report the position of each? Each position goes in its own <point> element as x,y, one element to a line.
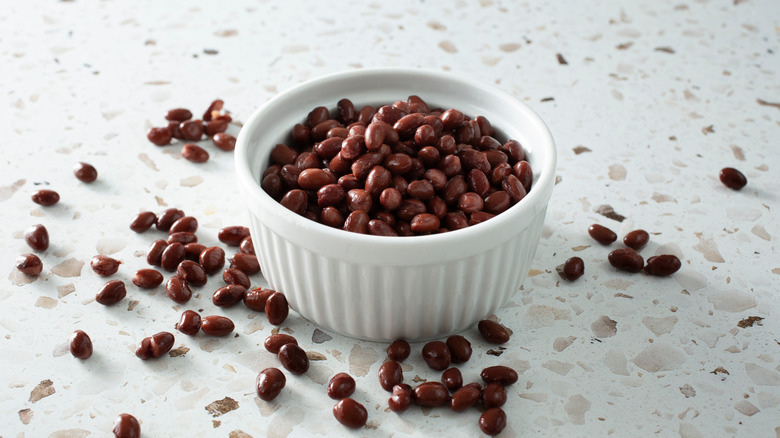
<point>454,188</point>
<point>478,182</point>
<point>171,256</point>
<point>452,379</point>
<point>492,421</point>
<point>80,345</point>
<point>431,394</point>
<point>399,350</point>
<point>191,130</point>
<point>572,269</point>
<point>143,221</point>
<point>295,201</point>
<point>636,239</point>
<point>111,293</point>
<point>363,165</point>
<point>178,290</point>
<point>270,383</point>
<point>390,198</point>
<point>420,189</point>
<point>350,413</point>
<point>235,276</point>
<point>332,217</point>
<point>301,135</point>
<point>224,141</point>
<point>470,202</point>
<point>346,111</point>
<point>425,135</point>
<point>186,224</point>
<point>215,127</point>
<point>154,254</point>
<point>493,332</point>
<point>189,323</point>
<point>317,116</point>
<point>663,265</point>
<point>732,178</point>
<point>46,197</point>
<point>451,119</point>
<point>215,325</point>
<point>155,346</point>
<point>390,374</point>
<point>493,395</point>
<point>513,150</point>
<point>85,172</point>
<point>178,114</point>
<point>104,265</point>
<point>456,220</point>
<point>330,195</point>
<point>464,398</point>
<point>514,188</point>
<point>255,299</point>
<point>626,259</point>
<point>247,246</point>
<point>192,251</point>
<point>229,295</point>
<point>233,235</point>
<point>166,218</point>
<point>194,153</point>
<point>479,217</point>
<point>293,358</point>
<point>437,355</point>
<point>212,259</point>
<point>276,308</point>
<point>497,202</point>
<point>378,179</point>
<point>401,398</point>
<point>320,130</point>
<point>246,263</point>
<point>328,148</point>
<point>341,386</point>
<point>503,375</point>
<point>425,223</point>
<point>410,208</point>
<point>283,154</point>
<point>602,234</point>
<point>159,136</point>
<point>460,348</point>
<point>275,342</point>
<point>523,172</point>
<point>147,278</point>
<point>357,222</point>
<point>182,237</point>
<point>126,426</point>
<point>37,237</point>
<point>380,228</point>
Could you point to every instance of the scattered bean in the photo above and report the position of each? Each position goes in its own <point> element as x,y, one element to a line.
<point>350,413</point>
<point>452,379</point>
<point>626,259</point>
<point>85,172</point>
<point>155,346</point>
<point>602,234</point>
<point>399,350</point>
<point>437,355</point>
<point>275,342</point>
<point>255,299</point>
<point>29,264</point>
<point>191,130</point>
<point>390,374</point>
<point>143,221</point>
<point>732,178</point>
<point>247,246</point>
<point>573,269</point>
<point>111,293</point>
<point>178,290</point>
<point>46,197</point>
<point>189,323</point>
<point>636,239</point>
<point>37,237</point>
<point>276,308</point>
<point>229,295</point>
<point>182,237</point>
<point>147,278</point>
<point>663,265</point>
<point>493,332</point>
<point>401,398</point>
<point>493,395</point>
<point>464,398</point>
<point>166,218</point>
<point>214,325</point>
<point>270,383</point>
<point>192,273</point>
<point>431,394</point>
<point>178,115</point>
<point>224,141</point>
<point>126,426</point>
<point>293,358</point>
<point>234,276</point>
<point>460,348</point>
<point>186,224</point>
<point>80,345</point>
<point>212,259</point>
<point>104,265</point>
<point>154,254</point>
<point>492,421</point>
<point>233,235</point>
<point>341,386</point>
<point>246,263</point>
<point>503,375</point>
<point>192,251</point>
<point>159,136</point>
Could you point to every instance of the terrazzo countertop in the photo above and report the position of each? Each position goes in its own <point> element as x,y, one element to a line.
<point>647,101</point>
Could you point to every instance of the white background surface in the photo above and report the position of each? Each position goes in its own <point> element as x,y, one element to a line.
<point>662,94</point>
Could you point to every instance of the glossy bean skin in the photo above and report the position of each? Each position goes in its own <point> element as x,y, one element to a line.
<point>229,295</point>
<point>194,153</point>
<point>431,394</point>
<point>189,323</point>
<point>732,178</point>
<point>662,265</point>
<point>111,293</point>
<point>29,264</point>
<point>350,413</point>
<point>182,237</point>
<point>275,342</point>
<point>399,350</point>
<point>171,256</point>
<point>212,259</point>
<point>246,263</point>
<point>37,237</point>
<point>390,374</point>
<point>493,332</point>
<point>247,246</point>
<point>187,224</point>
<point>276,308</point>
<point>233,235</point>
<point>270,383</point>
<point>401,398</point>
<point>166,218</point>
<point>159,136</point>
<point>155,346</point>
<point>602,234</point>
<point>193,250</point>
<point>341,386</point>
<point>460,348</point>
<point>493,395</point>
<point>46,197</point>
<point>492,421</point>
<point>178,290</point>
<point>234,276</point>
<point>143,221</point>
<point>293,358</point>
<point>572,269</point>
<point>80,345</point>
<point>224,141</point>
<point>147,278</point>
<point>626,259</point>
<point>255,299</point>
<point>452,379</point>
<point>192,273</point>
<point>126,426</point>
<point>437,355</point>
<point>503,375</point>
<point>636,239</point>
<point>215,325</point>
<point>464,398</point>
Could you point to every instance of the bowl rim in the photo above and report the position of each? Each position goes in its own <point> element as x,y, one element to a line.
<point>536,199</point>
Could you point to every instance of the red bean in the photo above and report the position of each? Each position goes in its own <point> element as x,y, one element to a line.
<point>214,325</point>
<point>523,172</point>
<point>159,136</point>
<point>500,374</point>
<point>214,108</point>
<point>602,234</point>
<point>460,348</point>
<point>182,237</point>
<point>636,239</point>
<point>193,250</point>
<point>37,237</point>
<point>573,269</point>
<point>235,276</point>
<point>104,265</point>
<point>380,228</point>
<point>155,346</point>
<point>401,398</point>
<point>732,178</point>
<point>663,265</point>
<point>399,350</point>
<point>186,224</point>
<point>341,386</point>
<point>247,246</point>
<point>147,278</point>
<point>270,383</point>
<point>178,290</point>
<point>452,379</point>
<point>275,342</point>
<point>80,345</point>
<point>212,259</point>
<point>346,111</point>
<point>492,421</point>
<point>514,188</point>
<point>437,355</point>
<point>493,395</point>
<point>255,299</point>
<point>390,374</point>
<point>246,263</point>
<point>276,308</point>
<point>293,358</point>
<point>224,141</point>
<point>513,150</point>
<point>171,256</point>
<point>85,172</point>
<point>493,332</point>
<point>233,235</point>
<point>295,201</point>
<point>215,127</point>
<point>194,153</point>
<point>191,130</point>
<point>189,323</point>
<point>46,197</point>
<point>178,114</point>
<point>425,223</point>
<point>357,222</point>
<point>464,398</point>
<point>431,394</point>
<point>229,295</point>
<point>143,221</point>
<point>166,219</point>
<point>350,413</point>
<point>126,426</point>
<point>626,259</point>
<point>497,202</point>
<point>111,293</point>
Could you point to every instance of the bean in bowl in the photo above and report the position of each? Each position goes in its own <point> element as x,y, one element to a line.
<point>400,169</point>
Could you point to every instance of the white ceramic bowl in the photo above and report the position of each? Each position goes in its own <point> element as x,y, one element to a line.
<point>384,288</point>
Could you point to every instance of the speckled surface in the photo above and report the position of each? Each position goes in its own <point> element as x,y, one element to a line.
<point>647,101</point>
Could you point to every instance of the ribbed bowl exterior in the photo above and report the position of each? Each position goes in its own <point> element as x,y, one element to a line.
<point>421,302</point>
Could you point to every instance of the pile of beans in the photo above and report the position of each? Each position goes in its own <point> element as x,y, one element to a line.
<point>398,170</point>
<point>182,127</point>
<point>438,355</point>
